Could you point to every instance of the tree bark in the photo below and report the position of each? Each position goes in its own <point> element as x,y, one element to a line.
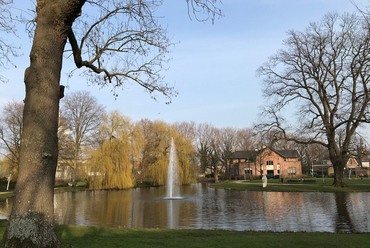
<point>215,174</point>
<point>339,160</point>
<point>31,222</point>
<point>339,157</point>
<point>339,173</point>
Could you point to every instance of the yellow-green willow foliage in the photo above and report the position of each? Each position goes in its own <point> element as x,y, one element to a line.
<point>156,153</point>
<point>186,156</point>
<point>112,163</point>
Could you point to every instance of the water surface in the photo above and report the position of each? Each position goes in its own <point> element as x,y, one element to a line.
<point>209,208</point>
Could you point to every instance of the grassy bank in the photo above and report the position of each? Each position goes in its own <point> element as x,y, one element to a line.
<point>276,185</point>
<point>4,195</point>
<point>80,236</point>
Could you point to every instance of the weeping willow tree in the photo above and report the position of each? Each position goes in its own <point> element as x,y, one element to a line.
<point>111,164</point>
<point>156,153</point>
<point>186,154</point>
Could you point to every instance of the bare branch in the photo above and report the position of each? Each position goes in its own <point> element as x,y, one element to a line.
<point>10,131</point>
<point>7,26</point>
<point>204,7</point>
<point>132,47</point>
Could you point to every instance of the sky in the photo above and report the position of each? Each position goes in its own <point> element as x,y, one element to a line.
<point>213,66</point>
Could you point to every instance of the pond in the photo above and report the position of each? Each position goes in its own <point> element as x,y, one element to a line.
<point>207,208</point>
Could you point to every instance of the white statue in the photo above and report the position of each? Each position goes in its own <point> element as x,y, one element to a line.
<point>264,181</point>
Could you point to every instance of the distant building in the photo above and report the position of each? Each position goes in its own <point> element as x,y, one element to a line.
<point>322,167</point>
<point>352,167</point>
<point>269,162</point>
<point>365,164</point>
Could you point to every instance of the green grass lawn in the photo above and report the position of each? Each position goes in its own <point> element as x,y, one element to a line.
<point>94,237</point>
<point>276,185</point>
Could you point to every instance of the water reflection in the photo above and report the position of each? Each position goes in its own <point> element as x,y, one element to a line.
<point>209,208</point>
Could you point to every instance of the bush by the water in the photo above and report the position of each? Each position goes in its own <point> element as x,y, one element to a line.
<point>144,184</point>
<point>60,183</point>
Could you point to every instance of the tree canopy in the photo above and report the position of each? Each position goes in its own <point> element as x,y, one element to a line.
<point>323,73</point>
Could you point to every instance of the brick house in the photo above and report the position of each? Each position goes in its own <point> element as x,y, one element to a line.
<point>245,164</point>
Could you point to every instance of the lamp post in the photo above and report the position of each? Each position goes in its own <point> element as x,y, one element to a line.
<point>255,161</point>
<point>281,171</point>
<point>312,169</point>
<point>322,172</point>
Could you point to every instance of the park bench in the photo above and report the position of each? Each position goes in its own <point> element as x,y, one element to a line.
<point>293,181</point>
<point>301,181</point>
<point>309,181</point>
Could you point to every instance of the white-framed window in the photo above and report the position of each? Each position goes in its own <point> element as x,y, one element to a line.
<point>292,170</point>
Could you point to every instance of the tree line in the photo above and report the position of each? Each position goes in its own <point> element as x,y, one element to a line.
<point>110,150</point>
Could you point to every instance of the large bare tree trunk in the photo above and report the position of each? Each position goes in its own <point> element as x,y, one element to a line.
<point>216,175</point>
<point>339,161</point>
<point>31,223</point>
<point>339,174</point>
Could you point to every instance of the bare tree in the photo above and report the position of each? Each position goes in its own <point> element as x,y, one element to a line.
<point>84,115</point>
<point>358,150</point>
<point>245,140</point>
<point>203,141</point>
<point>187,129</point>
<point>11,124</point>
<point>117,42</point>
<point>214,146</point>
<point>228,141</point>
<point>7,27</point>
<point>118,52</point>
<point>215,152</point>
<point>66,146</point>
<point>323,71</point>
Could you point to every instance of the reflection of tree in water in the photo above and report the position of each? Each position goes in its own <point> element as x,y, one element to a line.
<point>65,215</point>
<point>344,223</point>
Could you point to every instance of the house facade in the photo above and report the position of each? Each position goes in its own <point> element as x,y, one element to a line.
<point>269,162</point>
<point>352,167</point>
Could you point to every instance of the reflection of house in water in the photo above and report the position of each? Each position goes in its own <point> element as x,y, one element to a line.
<point>267,161</point>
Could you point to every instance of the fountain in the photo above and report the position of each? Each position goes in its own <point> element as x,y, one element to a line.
<point>172,175</point>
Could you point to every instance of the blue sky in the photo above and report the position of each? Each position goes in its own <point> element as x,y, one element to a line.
<point>213,66</point>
